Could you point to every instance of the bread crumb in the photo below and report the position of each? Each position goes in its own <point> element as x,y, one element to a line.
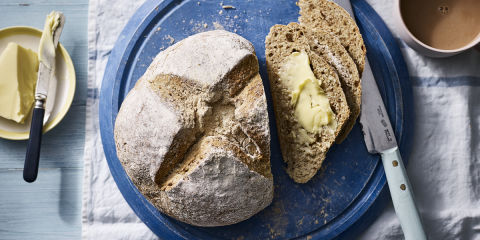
<point>170,39</point>
<point>158,29</point>
<point>218,26</point>
<point>220,12</point>
<point>309,237</point>
<point>235,17</point>
<point>228,7</point>
<point>198,27</point>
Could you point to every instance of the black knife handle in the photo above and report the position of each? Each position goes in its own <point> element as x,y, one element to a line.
<point>30,169</point>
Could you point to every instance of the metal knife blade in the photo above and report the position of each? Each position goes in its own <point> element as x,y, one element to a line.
<point>46,69</point>
<point>52,89</point>
<point>377,129</point>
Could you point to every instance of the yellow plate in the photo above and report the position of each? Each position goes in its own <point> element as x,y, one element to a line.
<point>29,37</point>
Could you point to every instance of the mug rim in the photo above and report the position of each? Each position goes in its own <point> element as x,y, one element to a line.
<point>474,42</point>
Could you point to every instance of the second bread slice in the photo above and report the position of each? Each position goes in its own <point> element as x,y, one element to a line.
<point>329,47</point>
<point>303,157</point>
<point>327,15</point>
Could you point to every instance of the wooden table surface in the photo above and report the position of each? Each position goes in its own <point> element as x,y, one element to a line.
<point>49,208</point>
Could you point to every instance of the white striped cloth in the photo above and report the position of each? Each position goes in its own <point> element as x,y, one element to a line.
<point>444,166</point>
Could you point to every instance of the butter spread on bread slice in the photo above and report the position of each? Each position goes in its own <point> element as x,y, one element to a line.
<point>312,108</point>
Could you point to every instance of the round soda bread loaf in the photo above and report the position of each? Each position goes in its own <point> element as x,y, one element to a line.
<point>327,15</point>
<point>193,133</point>
<point>303,158</point>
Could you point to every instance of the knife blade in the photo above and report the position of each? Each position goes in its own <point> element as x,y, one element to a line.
<point>380,138</point>
<point>50,102</point>
<point>377,129</point>
<point>46,72</point>
<point>52,85</point>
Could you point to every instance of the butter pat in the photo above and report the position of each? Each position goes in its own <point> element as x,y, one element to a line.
<point>312,108</point>
<point>18,68</point>
<point>46,49</point>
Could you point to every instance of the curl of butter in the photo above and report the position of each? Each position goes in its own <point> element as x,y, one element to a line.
<point>46,49</point>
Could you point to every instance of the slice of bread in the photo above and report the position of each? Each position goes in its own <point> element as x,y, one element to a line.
<point>303,158</point>
<point>329,47</point>
<point>327,15</point>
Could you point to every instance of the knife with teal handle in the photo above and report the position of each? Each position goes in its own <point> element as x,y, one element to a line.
<point>380,139</point>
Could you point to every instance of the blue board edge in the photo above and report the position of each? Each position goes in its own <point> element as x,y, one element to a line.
<point>109,92</point>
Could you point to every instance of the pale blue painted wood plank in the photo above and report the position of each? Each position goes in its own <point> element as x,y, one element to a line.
<point>49,208</point>
<point>74,37</point>
<point>61,147</point>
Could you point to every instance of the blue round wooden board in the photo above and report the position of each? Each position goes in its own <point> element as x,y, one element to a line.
<point>348,192</point>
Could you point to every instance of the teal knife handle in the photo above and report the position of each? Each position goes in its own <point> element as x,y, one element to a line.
<point>402,195</point>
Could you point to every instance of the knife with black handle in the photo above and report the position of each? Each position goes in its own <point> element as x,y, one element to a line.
<point>46,71</point>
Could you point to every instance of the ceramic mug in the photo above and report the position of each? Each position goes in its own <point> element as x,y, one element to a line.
<point>406,35</point>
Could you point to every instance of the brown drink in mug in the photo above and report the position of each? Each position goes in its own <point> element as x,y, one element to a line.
<point>438,28</point>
